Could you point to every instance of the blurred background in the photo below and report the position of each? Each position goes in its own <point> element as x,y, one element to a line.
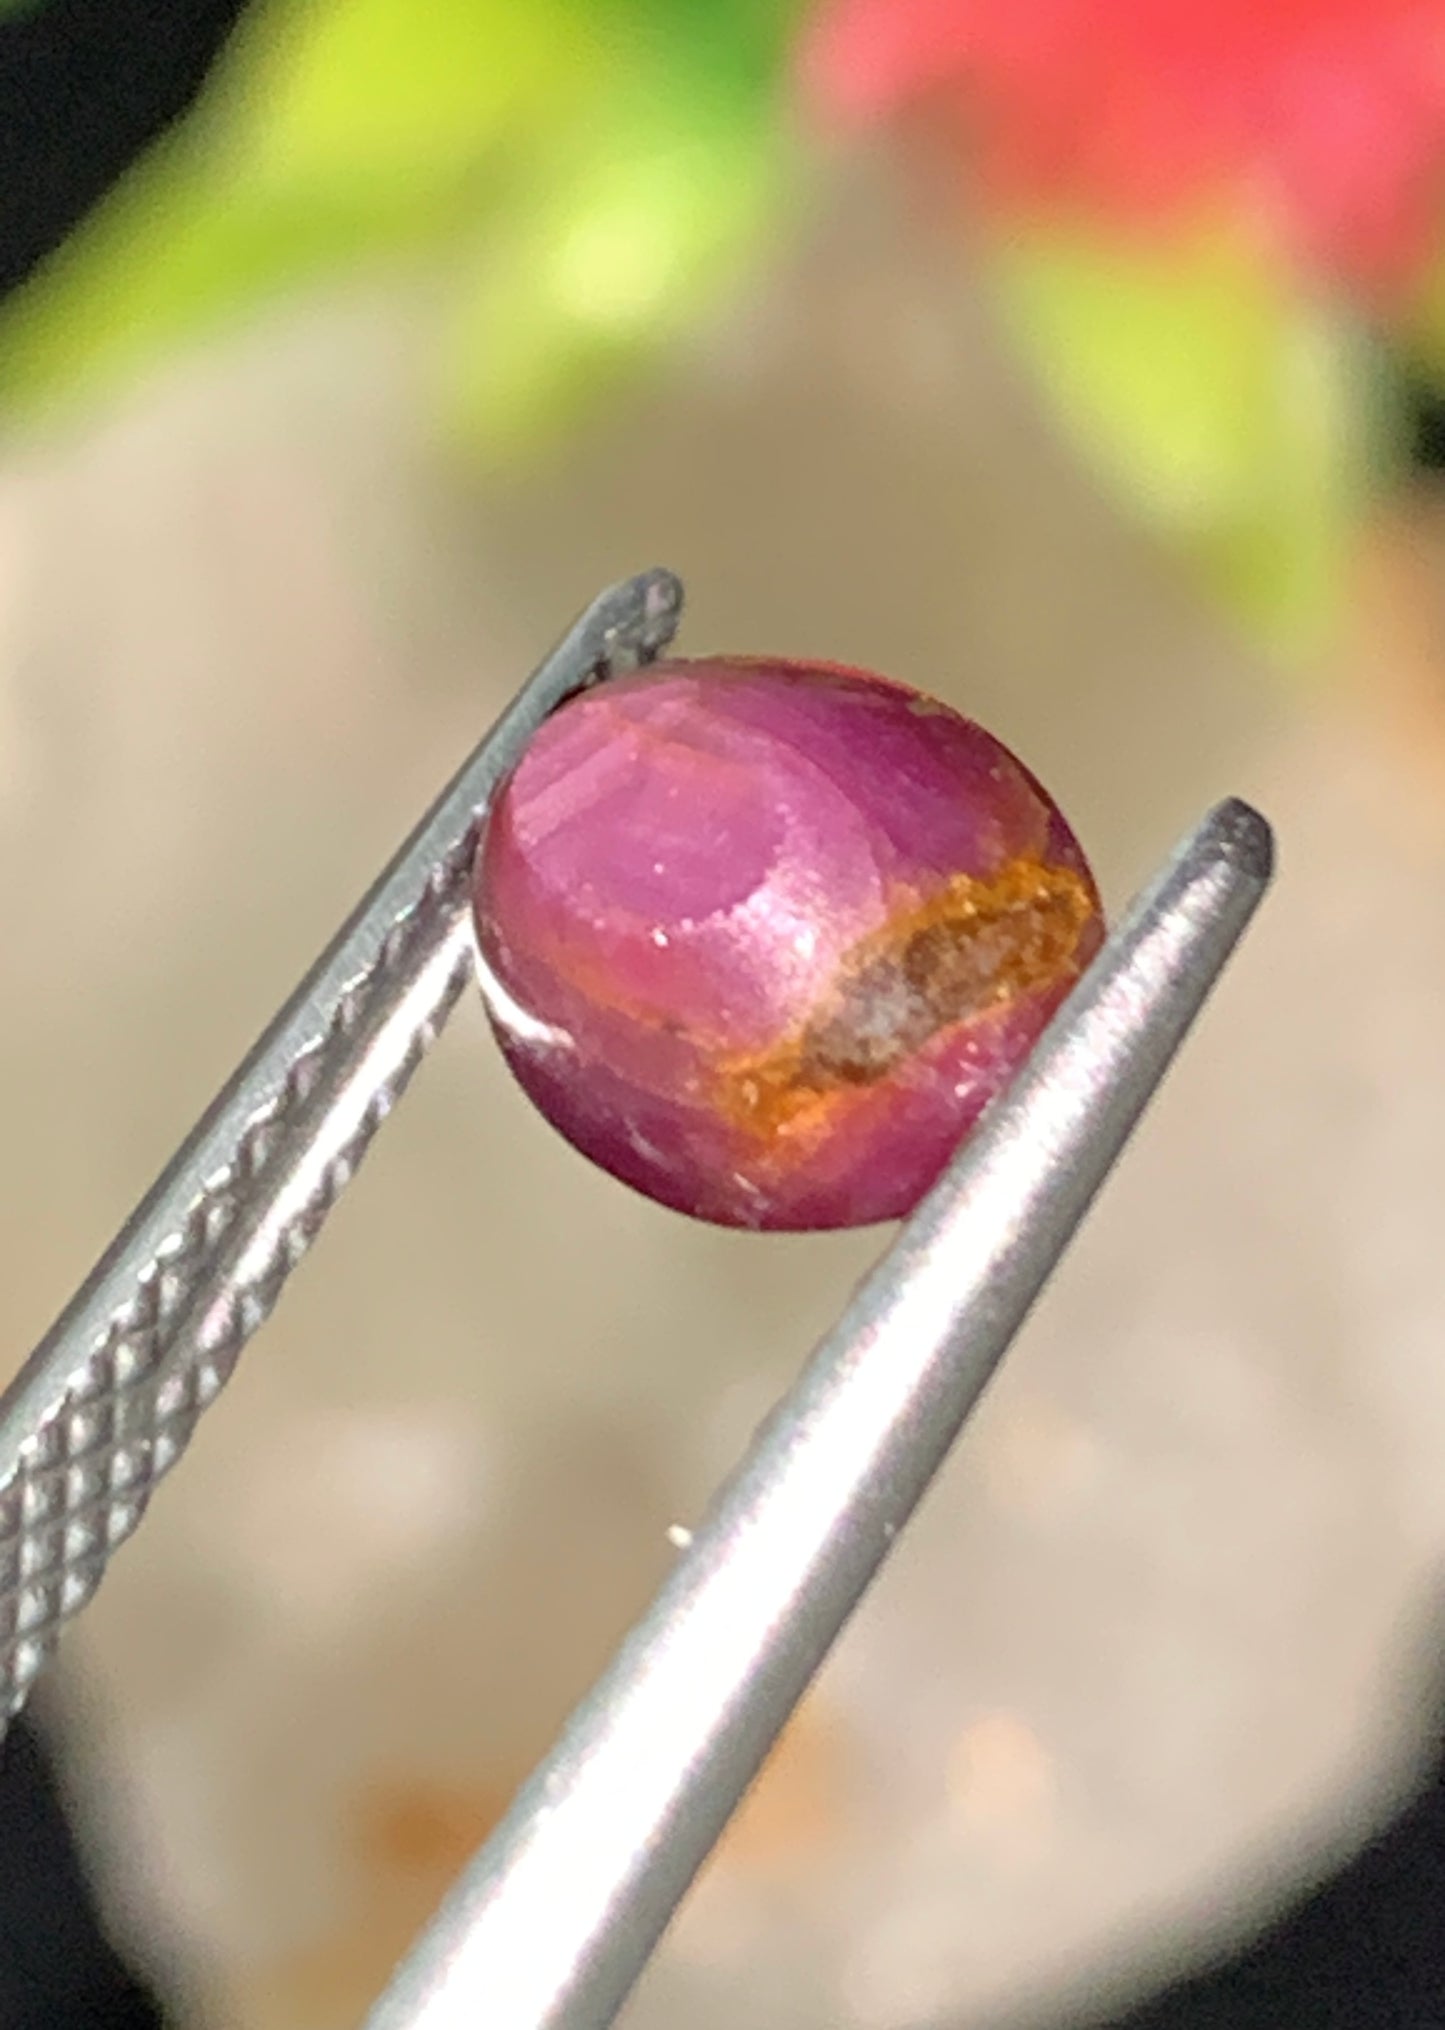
<point>1074,360</point>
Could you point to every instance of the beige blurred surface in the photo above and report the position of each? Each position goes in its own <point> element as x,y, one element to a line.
<point>1160,1637</point>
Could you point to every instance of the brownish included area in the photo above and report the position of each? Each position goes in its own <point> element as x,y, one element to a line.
<point>975,945</point>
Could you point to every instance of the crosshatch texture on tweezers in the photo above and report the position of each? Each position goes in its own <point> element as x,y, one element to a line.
<point>109,1399</point>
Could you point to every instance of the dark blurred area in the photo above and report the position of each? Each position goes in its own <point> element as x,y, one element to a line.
<point>58,1970</point>
<point>83,89</point>
<point>1427,443</point>
<point>1366,1951</point>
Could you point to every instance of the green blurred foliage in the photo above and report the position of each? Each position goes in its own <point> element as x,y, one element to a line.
<point>1244,419</point>
<point>606,262</point>
<point>587,172</point>
<point>1423,339</point>
<point>587,177</point>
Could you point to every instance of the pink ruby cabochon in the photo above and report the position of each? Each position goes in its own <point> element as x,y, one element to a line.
<point>769,935</point>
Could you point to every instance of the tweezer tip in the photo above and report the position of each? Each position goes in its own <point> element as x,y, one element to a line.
<point>661,591</point>
<point>660,594</point>
<point>1236,832</point>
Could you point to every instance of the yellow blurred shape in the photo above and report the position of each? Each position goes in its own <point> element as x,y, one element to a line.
<point>408,1839</point>
<point>1000,1777</point>
<point>800,1808</point>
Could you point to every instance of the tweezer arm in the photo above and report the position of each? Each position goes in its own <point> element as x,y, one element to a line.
<point>110,1397</point>
<point>552,1923</point>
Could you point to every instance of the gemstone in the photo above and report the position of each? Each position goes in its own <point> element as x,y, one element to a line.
<point>763,938</point>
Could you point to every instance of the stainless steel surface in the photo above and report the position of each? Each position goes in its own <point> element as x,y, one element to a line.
<point>552,1923</point>
<point>110,1397</point>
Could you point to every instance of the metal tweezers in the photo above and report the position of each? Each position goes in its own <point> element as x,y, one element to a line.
<point>554,1919</point>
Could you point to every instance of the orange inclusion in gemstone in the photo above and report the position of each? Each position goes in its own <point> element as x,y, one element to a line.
<point>972,947</point>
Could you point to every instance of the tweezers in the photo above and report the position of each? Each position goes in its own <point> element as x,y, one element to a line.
<point>553,1921</point>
